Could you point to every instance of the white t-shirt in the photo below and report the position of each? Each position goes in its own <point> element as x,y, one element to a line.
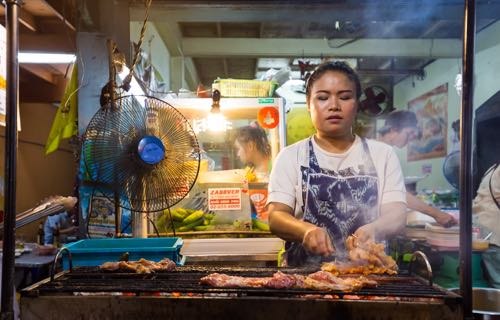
<point>484,208</point>
<point>285,184</point>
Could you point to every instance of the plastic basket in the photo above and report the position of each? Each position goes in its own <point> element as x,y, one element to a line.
<point>94,252</point>
<point>244,88</point>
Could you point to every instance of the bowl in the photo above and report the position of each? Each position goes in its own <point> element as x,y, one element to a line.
<point>485,302</point>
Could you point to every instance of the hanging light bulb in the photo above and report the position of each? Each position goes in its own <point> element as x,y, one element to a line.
<point>216,121</point>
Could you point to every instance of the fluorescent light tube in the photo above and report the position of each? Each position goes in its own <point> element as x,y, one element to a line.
<point>40,57</point>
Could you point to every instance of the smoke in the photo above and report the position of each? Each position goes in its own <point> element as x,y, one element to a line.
<point>419,12</point>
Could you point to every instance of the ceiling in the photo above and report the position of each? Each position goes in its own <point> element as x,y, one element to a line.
<point>388,42</point>
<point>49,26</point>
<point>242,39</point>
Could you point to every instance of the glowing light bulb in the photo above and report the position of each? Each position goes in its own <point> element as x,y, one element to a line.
<point>216,122</point>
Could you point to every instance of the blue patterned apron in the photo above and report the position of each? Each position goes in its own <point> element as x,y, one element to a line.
<point>340,202</point>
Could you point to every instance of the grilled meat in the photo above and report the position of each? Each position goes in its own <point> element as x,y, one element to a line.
<point>320,280</point>
<point>139,266</point>
<point>226,281</point>
<point>364,258</point>
<point>278,281</point>
<point>281,281</point>
<point>337,268</point>
<point>323,280</point>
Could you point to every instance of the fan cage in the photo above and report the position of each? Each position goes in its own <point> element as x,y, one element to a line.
<point>112,162</point>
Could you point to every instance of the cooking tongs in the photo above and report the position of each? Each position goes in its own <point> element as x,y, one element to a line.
<point>36,213</point>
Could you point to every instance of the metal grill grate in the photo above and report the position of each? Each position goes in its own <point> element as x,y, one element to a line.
<point>186,280</point>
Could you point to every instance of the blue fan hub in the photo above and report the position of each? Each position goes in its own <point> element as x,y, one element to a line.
<point>151,150</point>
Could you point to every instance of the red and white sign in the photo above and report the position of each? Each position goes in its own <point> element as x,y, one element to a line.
<point>268,117</point>
<point>224,199</point>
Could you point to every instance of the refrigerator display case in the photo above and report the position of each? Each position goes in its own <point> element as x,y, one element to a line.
<point>228,198</point>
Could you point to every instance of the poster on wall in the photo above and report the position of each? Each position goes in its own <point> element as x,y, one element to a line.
<point>431,109</point>
<point>102,218</point>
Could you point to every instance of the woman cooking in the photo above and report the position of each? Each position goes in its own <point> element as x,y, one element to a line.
<point>324,188</point>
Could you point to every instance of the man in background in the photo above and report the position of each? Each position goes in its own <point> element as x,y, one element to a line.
<point>486,215</point>
<point>400,128</point>
<point>62,222</point>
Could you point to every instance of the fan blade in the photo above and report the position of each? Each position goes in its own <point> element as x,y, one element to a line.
<point>370,95</point>
<point>379,98</point>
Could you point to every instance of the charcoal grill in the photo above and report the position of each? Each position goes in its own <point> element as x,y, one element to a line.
<point>88,293</point>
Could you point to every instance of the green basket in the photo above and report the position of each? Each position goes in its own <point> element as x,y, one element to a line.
<point>244,88</point>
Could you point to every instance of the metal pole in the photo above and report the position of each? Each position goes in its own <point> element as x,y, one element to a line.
<point>12,100</point>
<point>112,95</point>
<point>466,126</point>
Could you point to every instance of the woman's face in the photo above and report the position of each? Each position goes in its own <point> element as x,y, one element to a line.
<point>333,104</point>
<point>242,151</point>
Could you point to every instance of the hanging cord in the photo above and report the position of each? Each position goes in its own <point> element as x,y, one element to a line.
<point>87,221</point>
<point>126,82</point>
<point>65,107</point>
<point>127,225</point>
<point>171,220</point>
<point>154,225</point>
<point>151,91</point>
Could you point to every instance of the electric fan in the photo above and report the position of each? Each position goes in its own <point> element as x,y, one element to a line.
<point>375,101</point>
<point>144,150</point>
<point>451,169</point>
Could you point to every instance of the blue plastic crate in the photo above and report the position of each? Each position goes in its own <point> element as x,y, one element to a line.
<point>94,252</point>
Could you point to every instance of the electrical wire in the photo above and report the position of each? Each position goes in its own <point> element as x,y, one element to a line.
<point>171,220</point>
<point>87,221</point>
<point>151,91</point>
<point>154,225</point>
<point>127,225</point>
<point>75,49</point>
<point>128,78</point>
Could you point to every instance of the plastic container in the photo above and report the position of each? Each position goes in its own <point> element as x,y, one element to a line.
<point>480,244</point>
<point>94,252</point>
<point>244,88</point>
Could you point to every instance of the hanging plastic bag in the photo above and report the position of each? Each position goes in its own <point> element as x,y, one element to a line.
<point>65,121</point>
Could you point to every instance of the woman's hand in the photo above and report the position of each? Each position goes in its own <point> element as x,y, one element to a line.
<point>365,234</point>
<point>445,219</point>
<point>317,241</point>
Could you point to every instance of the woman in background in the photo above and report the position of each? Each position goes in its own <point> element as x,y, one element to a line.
<point>253,148</point>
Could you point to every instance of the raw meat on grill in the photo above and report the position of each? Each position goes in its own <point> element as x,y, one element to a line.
<point>323,280</point>
<point>281,280</point>
<point>139,266</point>
<point>320,280</point>
<point>278,281</point>
<point>227,281</point>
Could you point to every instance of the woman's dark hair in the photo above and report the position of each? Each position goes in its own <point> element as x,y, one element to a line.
<point>254,133</point>
<point>337,66</point>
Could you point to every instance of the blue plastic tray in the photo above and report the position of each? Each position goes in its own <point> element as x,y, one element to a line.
<point>94,252</point>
